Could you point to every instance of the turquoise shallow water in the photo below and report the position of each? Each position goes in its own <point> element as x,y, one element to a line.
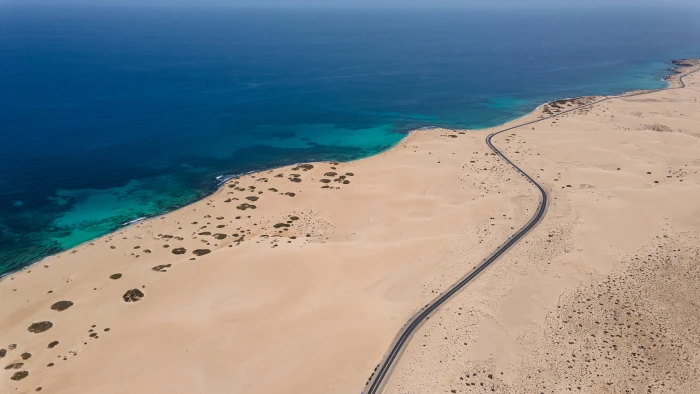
<point>109,115</point>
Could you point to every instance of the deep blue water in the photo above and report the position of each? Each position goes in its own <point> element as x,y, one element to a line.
<point>107,115</point>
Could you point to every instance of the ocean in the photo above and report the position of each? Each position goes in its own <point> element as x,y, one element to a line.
<point>108,115</point>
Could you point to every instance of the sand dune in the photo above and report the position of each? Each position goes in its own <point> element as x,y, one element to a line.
<point>297,279</point>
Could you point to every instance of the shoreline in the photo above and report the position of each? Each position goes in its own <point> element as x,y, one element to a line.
<point>679,66</point>
<point>254,287</point>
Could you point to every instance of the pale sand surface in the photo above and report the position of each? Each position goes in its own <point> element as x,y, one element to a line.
<point>292,313</point>
<point>604,295</point>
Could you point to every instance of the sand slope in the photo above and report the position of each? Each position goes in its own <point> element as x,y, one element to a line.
<point>310,307</point>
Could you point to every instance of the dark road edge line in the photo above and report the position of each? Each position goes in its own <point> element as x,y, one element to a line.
<point>376,381</point>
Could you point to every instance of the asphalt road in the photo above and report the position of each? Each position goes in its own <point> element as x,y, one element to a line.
<point>376,382</point>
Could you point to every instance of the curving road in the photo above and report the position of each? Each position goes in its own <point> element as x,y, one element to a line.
<point>376,381</point>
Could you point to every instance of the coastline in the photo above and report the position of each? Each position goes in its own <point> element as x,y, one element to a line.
<point>379,269</point>
<point>675,70</point>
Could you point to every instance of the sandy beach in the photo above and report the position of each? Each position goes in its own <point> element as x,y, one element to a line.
<point>297,279</point>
